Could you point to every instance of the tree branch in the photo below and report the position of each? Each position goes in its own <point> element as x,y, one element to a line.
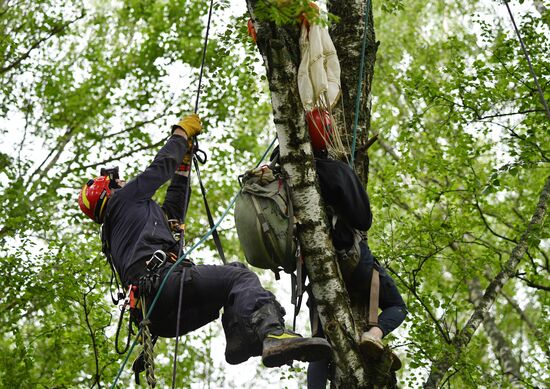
<point>508,363</point>
<point>539,335</point>
<point>436,321</point>
<point>533,284</point>
<point>482,215</point>
<point>55,30</point>
<point>117,157</point>
<point>442,365</point>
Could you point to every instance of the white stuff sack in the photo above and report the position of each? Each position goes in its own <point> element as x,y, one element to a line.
<point>319,71</point>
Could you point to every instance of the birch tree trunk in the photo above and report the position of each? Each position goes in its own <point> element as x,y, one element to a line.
<point>508,363</point>
<point>441,366</point>
<point>280,50</point>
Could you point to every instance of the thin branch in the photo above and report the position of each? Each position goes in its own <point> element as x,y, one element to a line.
<point>526,140</point>
<point>539,335</point>
<point>57,29</point>
<point>58,149</point>
<point>436,321</point>
<point>118,157</point>
<point>528,58</point>
<point>137,125</point>
<point>449,358</point>
<point>25,131</point>
<point>499,115</point>
<point>532,284</point>
<point>481,214</point>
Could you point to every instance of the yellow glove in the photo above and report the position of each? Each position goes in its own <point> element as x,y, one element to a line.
<point>191,124</point>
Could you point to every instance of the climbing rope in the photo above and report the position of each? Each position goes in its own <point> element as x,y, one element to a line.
<point>186,203</point>
<point>528,58</point>
<point>148,356</point>
<point>203,238</point>
<point>360,84</point>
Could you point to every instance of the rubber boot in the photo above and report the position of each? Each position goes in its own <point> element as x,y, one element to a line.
<point>281,346</point>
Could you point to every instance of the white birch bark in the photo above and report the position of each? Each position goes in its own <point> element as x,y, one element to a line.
<point>280,51</point>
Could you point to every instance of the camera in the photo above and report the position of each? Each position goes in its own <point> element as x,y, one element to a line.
<point>112,173</point>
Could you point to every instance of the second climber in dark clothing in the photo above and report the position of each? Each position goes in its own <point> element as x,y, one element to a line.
<point>350,213</point>
<point>135,227</point>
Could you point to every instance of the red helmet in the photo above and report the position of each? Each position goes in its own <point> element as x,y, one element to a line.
<point>93,198</point>
<point>320,128</point>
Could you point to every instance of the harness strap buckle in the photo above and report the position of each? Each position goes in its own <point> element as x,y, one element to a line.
<point>157,260</point>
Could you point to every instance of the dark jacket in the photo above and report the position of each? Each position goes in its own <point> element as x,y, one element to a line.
<point>344,193</point>
<point>136,226</point>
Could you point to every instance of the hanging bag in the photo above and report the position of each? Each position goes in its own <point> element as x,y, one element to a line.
<point>264,219</point>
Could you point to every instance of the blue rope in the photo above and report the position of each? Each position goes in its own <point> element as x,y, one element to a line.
<point>180,259</point>
<point>359,84</point>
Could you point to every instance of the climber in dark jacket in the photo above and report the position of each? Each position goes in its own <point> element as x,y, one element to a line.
<point>350,213</point>
<point>135,227</point>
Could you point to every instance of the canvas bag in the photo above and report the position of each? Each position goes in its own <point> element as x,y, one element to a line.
<point>264,219</point>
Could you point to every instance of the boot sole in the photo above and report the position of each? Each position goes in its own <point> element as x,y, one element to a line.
<point>374,352</point>
<point>371,349</point>
<point>306,350</point>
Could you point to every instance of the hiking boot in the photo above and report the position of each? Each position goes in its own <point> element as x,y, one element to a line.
<point>372,348</point>
<point>284,346</point>
<point>396,363</point>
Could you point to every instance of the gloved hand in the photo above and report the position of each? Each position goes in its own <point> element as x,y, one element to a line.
<point>191,124</point>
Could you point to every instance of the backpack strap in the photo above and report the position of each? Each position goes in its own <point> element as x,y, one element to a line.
<point>374,297</point>
<point>265,229</point>
<point>290,233</point>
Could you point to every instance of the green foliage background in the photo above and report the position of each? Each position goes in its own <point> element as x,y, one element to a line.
<point>455,177</point>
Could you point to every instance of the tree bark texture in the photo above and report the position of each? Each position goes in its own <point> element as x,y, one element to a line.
<point>347,36</point>
<point>441,366</point>
<point>280,50</point>
<point>508,363</point>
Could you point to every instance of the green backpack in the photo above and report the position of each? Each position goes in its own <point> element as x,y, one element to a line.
<point>265,220</point>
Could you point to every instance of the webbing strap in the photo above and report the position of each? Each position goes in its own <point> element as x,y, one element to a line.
<point>374,297</point>
<point>267,232</point>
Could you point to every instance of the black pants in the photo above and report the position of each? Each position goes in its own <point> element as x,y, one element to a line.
<point>207,289</point>
<point>391,303</point>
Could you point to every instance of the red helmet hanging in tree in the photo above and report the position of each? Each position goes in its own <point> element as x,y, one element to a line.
<point>320,128</point>
<point>93,198</point>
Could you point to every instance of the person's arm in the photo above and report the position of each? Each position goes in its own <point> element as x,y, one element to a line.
<point>165,163</point>
<point>158,172</point>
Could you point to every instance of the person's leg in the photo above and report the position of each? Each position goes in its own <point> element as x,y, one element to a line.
<point>253,319</point>
<point>317,374</point>
<point>391,303</point>
<point>317,371</point>
<point>393,313</point>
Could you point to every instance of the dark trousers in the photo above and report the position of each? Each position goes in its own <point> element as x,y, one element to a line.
<point>207,289</point>
<point>391,303</point>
